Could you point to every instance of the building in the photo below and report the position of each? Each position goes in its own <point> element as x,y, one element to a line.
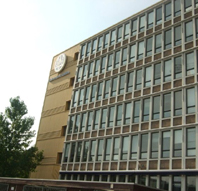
<point>133,115</point>
<point>55,111</point>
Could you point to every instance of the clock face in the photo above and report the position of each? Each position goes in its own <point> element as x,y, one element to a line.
<point>60,62</point>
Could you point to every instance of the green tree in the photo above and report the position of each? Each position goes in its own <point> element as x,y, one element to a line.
<point>17,157</point>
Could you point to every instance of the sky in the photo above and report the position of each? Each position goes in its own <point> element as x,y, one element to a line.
<point>33,31</point>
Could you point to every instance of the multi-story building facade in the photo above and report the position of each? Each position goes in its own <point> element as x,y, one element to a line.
<point>133,115</point>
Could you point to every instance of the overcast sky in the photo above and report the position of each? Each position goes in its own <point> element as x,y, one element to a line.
<point>33,31</point>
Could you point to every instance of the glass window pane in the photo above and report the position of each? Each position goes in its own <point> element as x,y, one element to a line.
<point>178,67</point>
<point>164,182</point>
<point>167,105</point>
<point>112,41</point>
<point>136,112</point>
<point>191,183</point>
<point>149,46</point>
<point>144,146</point>
<point>92,151</point>
<point>147,78</point>
<point>190,64</point>
<point>134,146</point>
<point>154,145</point>
<point>106,90</point>
<point>140,49</point>
<point>167,70</point>
<point>103,120</point>
<point>158,15</point>
<point>132,53</point>
<point>96,119</point>
<point>150,20</point>
<point>100,149</point>
<point>111,116</point>
<point>177,7</point>
<point>177,144</point>
<point>190,100</point>
<point>116,148</point>
<point>126,31</point>
<point>142,23</point>
<point>83,122</point>
<point>166,144</point>
<point>191,142</point>
<point>78,154</point>
<point>167,11</point>
<point>146,109</point>
<point>168,39</point>
<point>114,87</point>
<point>90,119</point>
<point>93,93</point>
<point>119,34</point>
<point>122,84</point>
<point>85,150</point>
<point>125,146</point>
<point>117,59</point>
<point>138,79</point>
<point>134,27</point>
<point>94,46</point>
<point>189,31</point>
<point>178,103</point>
<point>127,113</point>
<point>157,73</point>
<point>124,56</point>
<point>106,41</point>
<point>119,115</point>
<point>130,82</point>
<point>156,107</point>
<point>110,62</point>
<point>158,43</point>
<point>177,35</point>
<point>99,43</point>
<point>108,149</point>
<point>96,70</point>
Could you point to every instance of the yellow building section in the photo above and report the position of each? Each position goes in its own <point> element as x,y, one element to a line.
<point>53,121</point>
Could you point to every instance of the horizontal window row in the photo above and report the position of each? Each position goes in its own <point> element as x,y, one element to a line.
<point>162,182</point>
<point>147,47</point>
<point>155,74</point>
<point>132,27</point>
<point>165,105</point>
<point>164,144</point>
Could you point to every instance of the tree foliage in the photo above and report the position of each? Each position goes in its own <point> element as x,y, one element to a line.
<point>17,158</point>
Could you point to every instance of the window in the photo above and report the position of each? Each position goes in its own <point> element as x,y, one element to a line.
<point>190,183</point>
<point>103,119</point>
<point>106,90</point>
<point>90,73</point>
<point>99,43</point>
<point>158,15</point>
<point>130,82</point>
<point>114,87</point>
<point>119,115</point>
<point>150,20</point>
<point>142,24</point>
<point>66,154</point>
<point>71,158</point>
<point>167,70</point>
<point>96,69</point>
<point>196,3</point>
<point>93,93</point>
<point>127,113</point>
<point>156,107</point>
<point>177,7</point>
<point>110,60</point>
<point>178,103</point>
<point>103,64</point>
<point>119,34</point>
<point>116,146</point>
<point>166,144</point>
<point>196,22</point>
<point>82,51</point>
<point>164,182</point>
<point>149,46</point>
<point>153,181</point>
<point>176,185</point>
<point>167,105</point>
<point>122,84</point>
<point>188,31</point>
<point>88,48</point>
<point>85,151</point>
<point>138,84</point>
<point>136,112</point>
<point>157,73</point>
<point>78,153</point>
<point>140,50</point>
<point>144,146</point>
<point>167,39</point>
<point>178,67</point>
<point>84,76</point>
<point>106,40</point>
<point>90,119</point>
<point>126,31</point>
<point>75,98</point>
<point>125,146</point>
<point>80,101</point>
<point>134,146</point>
<point>147,78</point>
<point>131,178</point>
<point>100,149</point>
<point>71,123</point>
<point>94,46</point>
<point>132,53</point>
<point>187,5</point>
<point>83,122</point>
<point>92,151</point>
<point>158,43</point>
<point>111,116</point>
<point>108,149</point>
<point>121,178</point>
<point>142,179</point>
<point>190,63</point>
<point>146,109</point>
<point>124,56</point>
<point>100,87</point>
<point>177,36</point>
<point>79,75</point>
<point>190,100</point>
<point>112,41</point>
<point>87,95</point>
<point>117,59</point>
<point>96,119</point>
<point>177,143</point>
<point>154,145</point>
<point>134,27</point>
<point>167,11</point>
<point>191,142</point>
<point>77,121</point>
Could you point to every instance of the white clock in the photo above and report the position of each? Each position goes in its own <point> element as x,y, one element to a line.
<point>60,62</point>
